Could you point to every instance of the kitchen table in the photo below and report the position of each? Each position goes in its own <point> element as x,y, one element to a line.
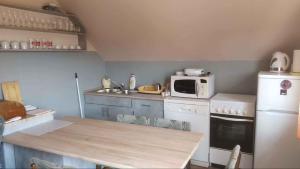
<point>114,144</point>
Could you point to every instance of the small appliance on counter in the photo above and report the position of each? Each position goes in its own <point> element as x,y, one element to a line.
<point>194,72</point>
<point>200,85</point>
<point>232,123</point>
<point>280,62</point>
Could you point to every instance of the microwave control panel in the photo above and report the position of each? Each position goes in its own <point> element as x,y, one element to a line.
<point>233,104</point>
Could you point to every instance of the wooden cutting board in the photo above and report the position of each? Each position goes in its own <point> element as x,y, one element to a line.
<point>11,91</point>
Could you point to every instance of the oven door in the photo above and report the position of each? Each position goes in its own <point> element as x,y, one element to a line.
<point>228,131</point>
<point>184,88</point>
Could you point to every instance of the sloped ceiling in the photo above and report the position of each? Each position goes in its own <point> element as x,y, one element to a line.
<point>32,4</point>
<point>188,29</point>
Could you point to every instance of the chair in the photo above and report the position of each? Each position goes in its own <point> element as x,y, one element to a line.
<point>154,122</point>
<point>170,124</point>
<point>235,158</point>
<point>2,121</point>
<point>131,119</point>
<point>43,164</point>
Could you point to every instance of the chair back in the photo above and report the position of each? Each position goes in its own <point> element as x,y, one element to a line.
<point>131,119</point>
<point>154,122</point>
<point>235,158</point>
<point>37,163</point>
<point>170,124</point>
<point>2,121</point>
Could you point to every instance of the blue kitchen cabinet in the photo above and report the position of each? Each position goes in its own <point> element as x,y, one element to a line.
<point>148,108</point>
<point>104,107</point>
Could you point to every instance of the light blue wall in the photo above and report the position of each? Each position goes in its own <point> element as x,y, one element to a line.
<point>231,76</point>
<point>47,78</point>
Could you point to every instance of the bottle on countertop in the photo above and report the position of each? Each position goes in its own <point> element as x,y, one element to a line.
<point>106,82</point>
<point>132,82</point>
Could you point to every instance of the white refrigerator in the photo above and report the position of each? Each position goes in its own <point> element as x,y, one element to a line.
<point>276,143</point>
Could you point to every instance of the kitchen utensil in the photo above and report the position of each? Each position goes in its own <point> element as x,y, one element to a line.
<point>5,45</point>
<point>11,91</point>
<point>100,91</point>
<point>126,91</point>
<point>72,47</point>
<point>194,72</point>
<point>15,45</point>
<point>296,61</point>
<point>65,47</point>
<point>179,73</point>
<point>107,90</point>
<point>280,62</point>
<point>115,90</point>
<point>79,96</point>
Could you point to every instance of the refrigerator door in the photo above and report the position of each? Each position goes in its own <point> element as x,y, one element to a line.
<point>276,143</point>
<point>278,93</point>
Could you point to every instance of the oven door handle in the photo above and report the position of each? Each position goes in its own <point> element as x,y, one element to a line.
<point>232,119</point>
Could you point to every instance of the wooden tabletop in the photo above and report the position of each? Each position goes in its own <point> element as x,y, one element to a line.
<point>115,144</point>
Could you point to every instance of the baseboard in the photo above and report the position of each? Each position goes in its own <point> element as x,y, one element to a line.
<point>200,163</point>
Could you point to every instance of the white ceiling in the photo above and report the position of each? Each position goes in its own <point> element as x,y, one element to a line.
<point>185,29</point>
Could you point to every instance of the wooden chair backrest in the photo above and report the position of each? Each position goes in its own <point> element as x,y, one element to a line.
<point>11,91</point>
<point>235,158</point>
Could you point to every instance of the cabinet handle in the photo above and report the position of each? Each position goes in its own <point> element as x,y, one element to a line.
<point>146,105</point>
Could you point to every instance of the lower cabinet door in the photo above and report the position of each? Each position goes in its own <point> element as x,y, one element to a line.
<point>101,112</point>
<point>148,108</point>
<point>95,111</point>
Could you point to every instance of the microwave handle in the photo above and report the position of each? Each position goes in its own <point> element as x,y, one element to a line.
<point>232,119</point>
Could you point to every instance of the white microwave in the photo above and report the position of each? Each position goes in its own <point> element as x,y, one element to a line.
<point>193,86</point>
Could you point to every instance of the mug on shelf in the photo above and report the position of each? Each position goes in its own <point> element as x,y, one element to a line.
<point>24,45</point>
<point>5,45</point>
<point>15,45</point>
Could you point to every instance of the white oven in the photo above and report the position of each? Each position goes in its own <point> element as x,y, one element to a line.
<point>193,86</point>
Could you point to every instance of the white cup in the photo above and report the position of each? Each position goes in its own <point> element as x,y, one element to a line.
<point>5,45</point>
<point>15,45</point>
<point>24,45</point>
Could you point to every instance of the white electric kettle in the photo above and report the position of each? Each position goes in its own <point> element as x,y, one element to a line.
<point>280,62</point>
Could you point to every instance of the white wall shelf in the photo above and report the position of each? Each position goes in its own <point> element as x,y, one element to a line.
<point>17,24</point>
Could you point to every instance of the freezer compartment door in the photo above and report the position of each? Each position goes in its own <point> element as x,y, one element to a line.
<point>278,94</point>
<point>276,143</point>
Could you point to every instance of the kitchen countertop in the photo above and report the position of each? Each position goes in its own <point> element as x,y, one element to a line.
<point>131,95</point>
<point>113,144</point>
